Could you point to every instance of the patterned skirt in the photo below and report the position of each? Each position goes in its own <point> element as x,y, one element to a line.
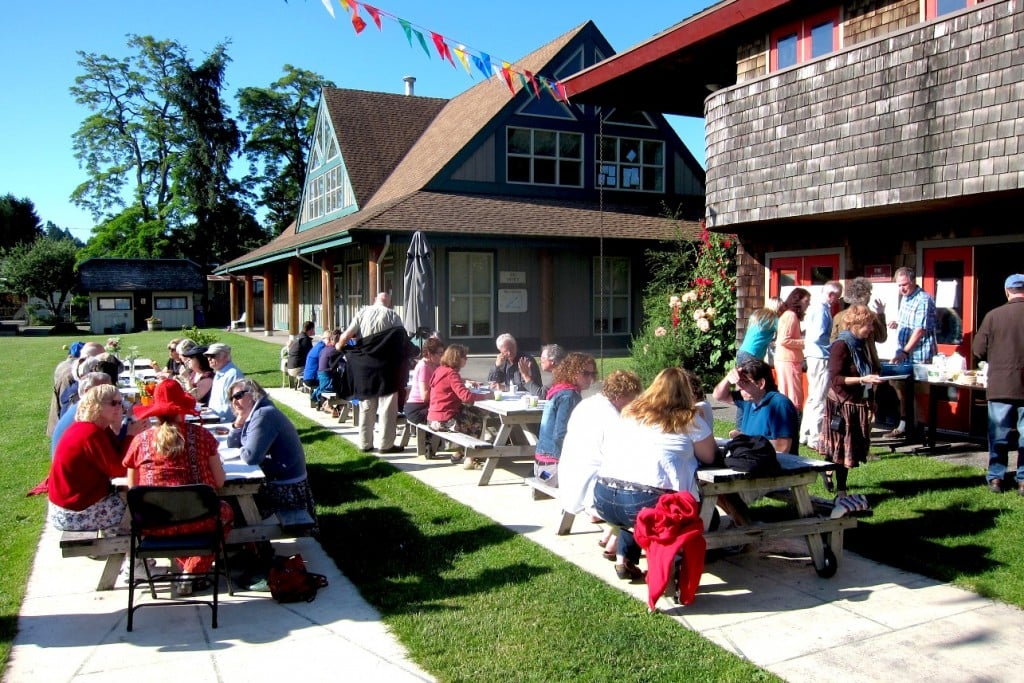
<point>849,447</point>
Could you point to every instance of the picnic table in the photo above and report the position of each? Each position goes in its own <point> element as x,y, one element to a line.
<point>241,484</point>
<point>726,485</point>
<point>516,435</point>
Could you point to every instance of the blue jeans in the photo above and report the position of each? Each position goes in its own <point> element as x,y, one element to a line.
<point>1004,418</point>
<point>326,384</point>
<point>620,508</point>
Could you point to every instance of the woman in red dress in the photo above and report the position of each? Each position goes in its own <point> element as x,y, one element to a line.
<point>176,453</point>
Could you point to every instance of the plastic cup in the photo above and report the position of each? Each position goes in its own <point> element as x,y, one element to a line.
<point>497,395</point>
<point>532,401</point>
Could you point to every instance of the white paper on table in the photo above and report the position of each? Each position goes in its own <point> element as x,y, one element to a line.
<point>239,470</point>
<point>230,453</point>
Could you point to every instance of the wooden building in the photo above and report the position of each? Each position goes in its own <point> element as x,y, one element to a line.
<point>537,212</point>
<point>851,138</point>
<point>123,293</point>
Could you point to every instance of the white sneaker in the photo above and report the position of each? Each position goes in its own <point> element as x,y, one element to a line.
<point>140,570</point>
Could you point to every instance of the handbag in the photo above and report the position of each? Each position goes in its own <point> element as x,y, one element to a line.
<point>290,581</point>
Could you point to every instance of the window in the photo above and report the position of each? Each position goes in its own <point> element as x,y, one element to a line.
<point>471,293</point>
<point>544,157</point>
<point>354,289</point>
<point>805,40</point>
<point>936,8</point>
<point>170,303</point>
<point>631,164</point>
<point>114,304</point>
<point>327,193</point>
<point>611,295</point>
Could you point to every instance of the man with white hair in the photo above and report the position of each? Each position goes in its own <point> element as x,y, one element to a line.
<point>225,373</point>
<point>817,333</point>
<point>512,367</point>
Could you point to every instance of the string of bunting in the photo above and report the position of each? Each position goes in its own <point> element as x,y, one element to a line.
<point>482,61</point>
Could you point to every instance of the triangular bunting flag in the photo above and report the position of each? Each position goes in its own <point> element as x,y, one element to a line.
<point>374,14</point>
<point>329,7</point>
<point>506,72</point>
<point>562,94</point>
<point>408,30</point>
<point>344,5</point>
<point>423,42</point>
<point>461,54</point>
<point>357,22</point>
<point>523,82</point>
<point>442,47</point>
<point>483,63</point>
<point>533,82</point>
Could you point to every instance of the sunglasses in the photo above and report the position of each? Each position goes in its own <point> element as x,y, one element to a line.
<point>239,394</point>
<point>115,402</point>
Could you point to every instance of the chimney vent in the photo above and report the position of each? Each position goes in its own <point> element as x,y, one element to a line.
<point>410,82</point>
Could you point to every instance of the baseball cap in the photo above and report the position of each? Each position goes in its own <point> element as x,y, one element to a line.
<point>194,351</point>
<point>1015,281</point>
<point>217,349</point>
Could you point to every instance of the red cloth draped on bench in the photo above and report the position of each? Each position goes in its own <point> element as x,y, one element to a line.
<point>671,527</point>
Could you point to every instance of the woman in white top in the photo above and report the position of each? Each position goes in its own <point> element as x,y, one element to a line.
<point>654,449</point>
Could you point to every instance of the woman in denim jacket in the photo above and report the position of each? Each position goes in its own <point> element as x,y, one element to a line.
<point>573,375</point>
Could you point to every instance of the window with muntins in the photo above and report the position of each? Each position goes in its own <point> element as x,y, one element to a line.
<point>170,303</point>
<point>114,303</point>
<point>544,157</point>
<point>611,295</point>
<point>471,294</point>
<point>631,164</point>
<point>804,40</point>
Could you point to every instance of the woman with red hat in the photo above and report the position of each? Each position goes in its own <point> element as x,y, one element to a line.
<point>176,453</point>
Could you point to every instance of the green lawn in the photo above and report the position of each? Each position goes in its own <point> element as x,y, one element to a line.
<point>473,601</point>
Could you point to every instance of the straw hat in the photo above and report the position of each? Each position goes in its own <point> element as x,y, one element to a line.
<point>168,399</point>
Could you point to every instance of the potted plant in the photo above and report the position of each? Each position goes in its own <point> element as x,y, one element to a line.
<point>154,323</point>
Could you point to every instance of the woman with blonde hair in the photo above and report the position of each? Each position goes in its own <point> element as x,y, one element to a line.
<point>654,449</point>
<point>176,453</point>
<point>87,457</point>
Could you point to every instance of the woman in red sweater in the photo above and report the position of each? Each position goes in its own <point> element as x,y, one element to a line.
<point>448,395</point>
<point>88,456</point>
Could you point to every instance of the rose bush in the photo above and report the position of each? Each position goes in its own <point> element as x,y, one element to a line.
<point>690,309</point>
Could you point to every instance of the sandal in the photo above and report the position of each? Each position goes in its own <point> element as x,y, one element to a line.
<point>826,479</point>
<point>609,555</point>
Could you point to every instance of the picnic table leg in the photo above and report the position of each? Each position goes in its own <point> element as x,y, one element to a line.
<point>111,568</point>
<point>489,465</point>
<point>815,542</point>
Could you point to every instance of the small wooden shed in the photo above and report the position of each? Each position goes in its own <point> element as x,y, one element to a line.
<point>124,293</point>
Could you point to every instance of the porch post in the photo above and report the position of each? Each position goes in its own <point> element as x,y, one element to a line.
<point>250,315</point>
<point>327,291</point>
<point>232,300</point>
<point>294,287</point>
<point>268,303</point>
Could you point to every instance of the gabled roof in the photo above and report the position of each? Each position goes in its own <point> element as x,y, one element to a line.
<point>128,275</point>
<point>440,213</point>
<point>371,152</point>
<point>674,71</point>
<point>459,121</point>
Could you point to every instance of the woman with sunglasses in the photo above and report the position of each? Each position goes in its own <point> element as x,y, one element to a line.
<point>572,376</point>
<point>269,439</point>
<point>87,457</point>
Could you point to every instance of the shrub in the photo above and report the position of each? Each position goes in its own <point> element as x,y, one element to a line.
<point>198,336</point>
<point>689,308</point>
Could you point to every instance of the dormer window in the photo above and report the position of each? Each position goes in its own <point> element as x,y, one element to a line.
<point>804,40</point>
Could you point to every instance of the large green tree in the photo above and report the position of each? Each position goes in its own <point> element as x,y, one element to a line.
<point>44,269</point>
<point>223,225</point>
<point>19,223</point>
<point>131,140</point>
<point>279,123</point>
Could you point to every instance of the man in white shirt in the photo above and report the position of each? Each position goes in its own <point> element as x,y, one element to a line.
<point>225,373</point>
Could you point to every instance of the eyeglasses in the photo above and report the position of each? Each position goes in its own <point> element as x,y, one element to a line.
<point>239,394</point>
<point>115,402</point>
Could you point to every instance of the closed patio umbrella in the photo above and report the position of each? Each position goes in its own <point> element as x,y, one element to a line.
<point>419,289</point>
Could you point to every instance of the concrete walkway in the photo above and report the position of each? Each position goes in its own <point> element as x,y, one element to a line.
<point>870,622</point>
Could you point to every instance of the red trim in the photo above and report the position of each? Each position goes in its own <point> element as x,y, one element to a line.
<point>710,22</point>
<point>802,29</point>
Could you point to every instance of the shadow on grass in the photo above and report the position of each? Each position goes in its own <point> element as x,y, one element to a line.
<point>399,568</point>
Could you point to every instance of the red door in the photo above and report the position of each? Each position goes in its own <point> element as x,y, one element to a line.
<point>949,278</point>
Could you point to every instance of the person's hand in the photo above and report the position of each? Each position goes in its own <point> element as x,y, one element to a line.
<point>733,376</point>
<point>900,356</point>
<point>499,359</point>
<point>879,307</point>
<point>871,379</point>
<point>893,325</point>
<point>733,433</point>
<point>524,368</point>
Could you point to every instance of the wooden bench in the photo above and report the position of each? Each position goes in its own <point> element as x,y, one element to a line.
<point>474,447</point>
<point>345,407</point>
<point>541,490</point>
<point>291,524</point>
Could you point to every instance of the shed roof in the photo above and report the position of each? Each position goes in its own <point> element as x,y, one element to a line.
<point>128,275</point>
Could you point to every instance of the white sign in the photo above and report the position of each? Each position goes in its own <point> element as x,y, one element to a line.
<point>511,301</point>
<point>512,277</point>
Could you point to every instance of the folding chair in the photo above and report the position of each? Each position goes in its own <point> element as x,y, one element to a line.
<point>154,508</point>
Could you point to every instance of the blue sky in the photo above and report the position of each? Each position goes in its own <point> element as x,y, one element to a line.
<point>38,114</point>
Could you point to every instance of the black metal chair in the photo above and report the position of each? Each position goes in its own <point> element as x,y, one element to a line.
<point>158,507</point>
